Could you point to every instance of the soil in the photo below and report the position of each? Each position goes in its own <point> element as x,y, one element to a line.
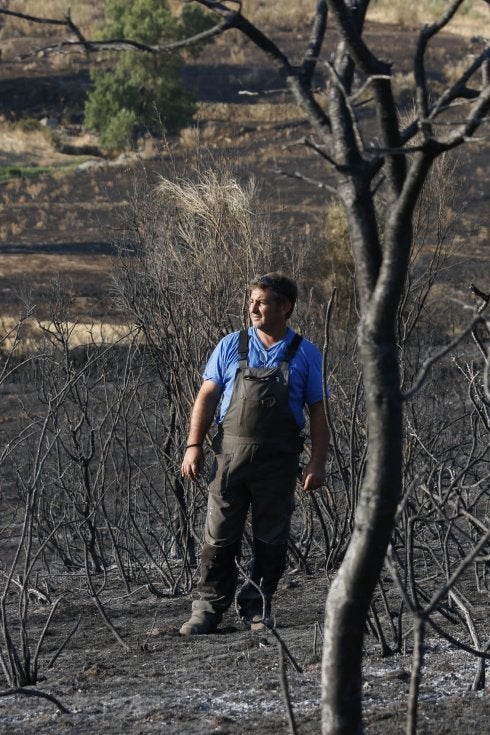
<point>228,682</point>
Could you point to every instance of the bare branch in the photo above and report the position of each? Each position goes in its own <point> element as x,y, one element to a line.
<point>297,82</point>
<point>472,123</point>
<point>312,53</point>
<point>236,20</point>
<point>319,149</point>
<point>369,81</point>
<point>419,68</point>
<point>345,21</point>
<point>285,690</point>
<point>35,18</point>
<point>463,646</point>
<point>449,13</point>
<point>301,177</point>
<point>443,591</point>
<point>129,45</point>
<point>438,356</point>
<point>459,88</point>
<point>338,84</point>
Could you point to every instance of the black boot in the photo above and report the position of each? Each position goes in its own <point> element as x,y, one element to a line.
<point>217,585</point>
<point>266,569</point>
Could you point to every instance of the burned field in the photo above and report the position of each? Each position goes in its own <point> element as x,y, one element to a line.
<point>100,537</point>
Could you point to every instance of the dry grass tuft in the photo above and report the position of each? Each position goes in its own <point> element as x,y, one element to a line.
<point>190,138</point>
<point>210,197</point>
<point>28,143</point>
<point>454,69</point>
<point>404,86</point>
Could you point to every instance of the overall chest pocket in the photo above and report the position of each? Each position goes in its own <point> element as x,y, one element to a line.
<point>263,401</point>
<point>263,391</point>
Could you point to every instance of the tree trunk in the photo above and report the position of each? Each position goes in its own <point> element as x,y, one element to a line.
<point>350,595</point>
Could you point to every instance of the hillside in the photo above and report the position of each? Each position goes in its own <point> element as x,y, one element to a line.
<point>62,221</point>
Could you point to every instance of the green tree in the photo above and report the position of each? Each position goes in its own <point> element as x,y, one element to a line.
<point>142,90</point>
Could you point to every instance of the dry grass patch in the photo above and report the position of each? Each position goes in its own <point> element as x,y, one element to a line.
<point>85,13</point>
<point>472,17</point>
<point>262,112</point>
<point>29,335</point>
<point>16,141</point>
<point>404,85</point>
<point>285,14</point>
<point>28,144</point>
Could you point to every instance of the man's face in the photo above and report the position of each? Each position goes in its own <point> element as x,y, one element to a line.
<point>266,312</point>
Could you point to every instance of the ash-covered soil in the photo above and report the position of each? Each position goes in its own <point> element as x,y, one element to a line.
<point>228,682</point>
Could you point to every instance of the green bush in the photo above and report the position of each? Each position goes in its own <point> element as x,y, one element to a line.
<point>142,90</point>
<point>118,132</point>
<point>146,21</point>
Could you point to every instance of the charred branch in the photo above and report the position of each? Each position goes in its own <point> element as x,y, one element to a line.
<point>313,51</point>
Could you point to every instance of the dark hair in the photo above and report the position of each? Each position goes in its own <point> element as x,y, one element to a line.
<point>284,288</point>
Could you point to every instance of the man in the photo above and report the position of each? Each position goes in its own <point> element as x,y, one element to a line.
<point>264,377</point>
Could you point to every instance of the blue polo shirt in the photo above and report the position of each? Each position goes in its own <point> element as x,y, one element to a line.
<point>305,369</point>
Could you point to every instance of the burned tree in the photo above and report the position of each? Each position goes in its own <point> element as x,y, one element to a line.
<point>389,161</point>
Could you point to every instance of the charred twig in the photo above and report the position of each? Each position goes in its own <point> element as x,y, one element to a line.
<point>95,597</point>
<point>416,675</point>
<point>438,356</point>
<point>33,692</point>
<point>270,627</point>
<point>63,645</point>
<point>288,653</point>
<point>285,690</point>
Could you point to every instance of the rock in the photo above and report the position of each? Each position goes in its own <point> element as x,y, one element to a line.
<point>50,122</point>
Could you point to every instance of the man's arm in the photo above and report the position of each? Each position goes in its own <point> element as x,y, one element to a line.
<point>202,415</point>
<point>314,472</point>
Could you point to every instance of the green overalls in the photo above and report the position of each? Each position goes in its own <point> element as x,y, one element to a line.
<point>257,451</point>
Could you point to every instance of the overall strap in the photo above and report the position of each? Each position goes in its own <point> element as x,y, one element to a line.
<point>292,348</point>
<point>289,354</point>
<point>243,340</point>
<point>243,348</point>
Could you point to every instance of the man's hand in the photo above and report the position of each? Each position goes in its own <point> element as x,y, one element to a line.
<point>313,475</point>
<point>314,472</point>
<point>202,414</point>
<point>192,463</point>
